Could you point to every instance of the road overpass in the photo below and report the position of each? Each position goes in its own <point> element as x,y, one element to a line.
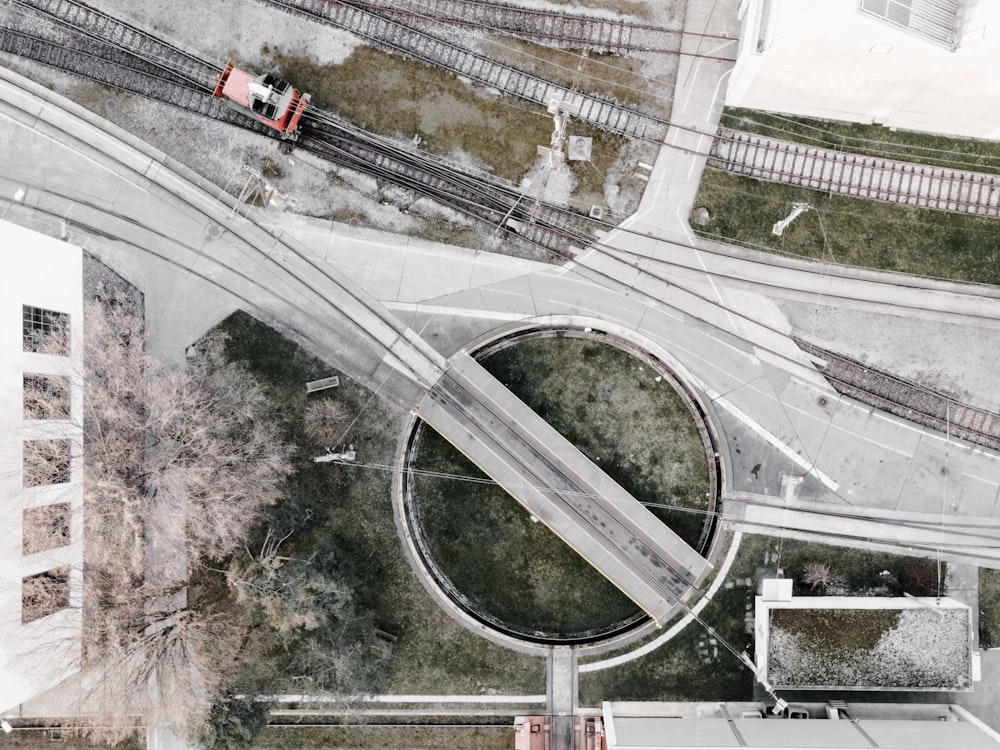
<point>561,487</point>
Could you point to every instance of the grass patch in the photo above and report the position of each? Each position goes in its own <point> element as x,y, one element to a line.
<point>873,648</point>
<point>989,608</point>
<point>373,737</point>
<point>837,629</point>
<point>857,232</point>
<point>691,667</point>
<point>609,405</point>
<point>872,140</point>
<point>393,96</point>
<point>341,520</point>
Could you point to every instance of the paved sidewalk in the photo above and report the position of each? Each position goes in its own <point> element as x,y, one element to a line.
<point>886,530</point>
<point>699,94</point>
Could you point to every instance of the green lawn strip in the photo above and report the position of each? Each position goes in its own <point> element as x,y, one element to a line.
<point>858,232</point>
<point>608,404</point>
<point>373,737</point>
<point>873,140</point>
<point>687,667</point>
<point>989,608</point>
<point>341,520</point>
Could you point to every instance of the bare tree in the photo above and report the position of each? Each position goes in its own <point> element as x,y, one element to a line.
<point>326,422</point>
<point>175,465</point>
<point>819,575</point>
<point>286,593</point>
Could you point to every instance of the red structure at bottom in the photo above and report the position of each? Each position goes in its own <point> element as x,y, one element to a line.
<point>270,99</point>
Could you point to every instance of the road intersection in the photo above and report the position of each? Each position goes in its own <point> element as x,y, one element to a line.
<point>718,315</point>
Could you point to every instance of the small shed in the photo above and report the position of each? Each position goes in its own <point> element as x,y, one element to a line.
<point>776,590</point>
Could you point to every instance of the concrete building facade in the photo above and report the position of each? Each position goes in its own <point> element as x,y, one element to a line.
<point>41,542</point>
<point>923,65</point>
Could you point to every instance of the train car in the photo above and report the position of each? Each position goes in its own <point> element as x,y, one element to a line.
<point>270,99</point>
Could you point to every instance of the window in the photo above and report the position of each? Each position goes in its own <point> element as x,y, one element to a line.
<point>937,21</point>
<point>46,462</point>
<point>45,331</point>
<point>46,397</point>
<point>44,594</point>
<point>894,11</point>
<point>44,527</point>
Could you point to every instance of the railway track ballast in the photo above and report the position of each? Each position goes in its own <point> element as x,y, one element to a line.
<point>855,175</point>
<point>907,400</point>
<point>421,46</point>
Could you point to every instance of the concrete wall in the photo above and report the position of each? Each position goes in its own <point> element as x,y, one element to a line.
<point>43,272</point>
<point>826,59</point>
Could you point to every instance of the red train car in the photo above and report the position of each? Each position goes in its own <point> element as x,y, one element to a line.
<point>270,99</point>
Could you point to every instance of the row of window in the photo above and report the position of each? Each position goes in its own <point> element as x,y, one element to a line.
<point>45,527</point>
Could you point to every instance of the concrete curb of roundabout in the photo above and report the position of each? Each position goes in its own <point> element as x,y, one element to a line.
<point>465,612</point>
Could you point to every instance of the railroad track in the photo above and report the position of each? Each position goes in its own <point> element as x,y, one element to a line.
<point>114,53</point>
<point>397,38</point>
<point>908,400</point>
<point>82,19</point>
<point>302,284</point>
<point>484,198</point>
<point>854,175</point>
<point>564,28</point>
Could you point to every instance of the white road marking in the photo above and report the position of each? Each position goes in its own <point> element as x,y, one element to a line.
<point>463,312</point>
<point>729,406</point>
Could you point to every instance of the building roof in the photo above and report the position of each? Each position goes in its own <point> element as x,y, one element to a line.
<point>673,732</point>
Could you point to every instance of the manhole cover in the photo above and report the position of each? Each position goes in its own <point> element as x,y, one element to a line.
<point>214,231</point>
<point>821,400</point>
<point>354,222</point>
<point>110,104</point>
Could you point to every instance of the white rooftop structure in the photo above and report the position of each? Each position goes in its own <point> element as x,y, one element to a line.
<point>715,726</point>
<point>40,282</point>
<point>924,65</point>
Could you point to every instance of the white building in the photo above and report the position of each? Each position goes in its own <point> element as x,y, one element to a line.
<point>41,541</point>
<point>925,65</point>
<point>827,726</point>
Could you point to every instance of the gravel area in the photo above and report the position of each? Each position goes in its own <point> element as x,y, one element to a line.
<point>923,650</point>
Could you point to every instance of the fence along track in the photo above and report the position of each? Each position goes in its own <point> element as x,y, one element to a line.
<point>553,28</point>
<point>908,400</point>
<point>423,47</point>
<point>854,175</point>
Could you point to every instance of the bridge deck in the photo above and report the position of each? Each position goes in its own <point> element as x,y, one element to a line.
<point>563,488</point>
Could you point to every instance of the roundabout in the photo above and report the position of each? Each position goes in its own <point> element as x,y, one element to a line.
<point>510,577</point>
